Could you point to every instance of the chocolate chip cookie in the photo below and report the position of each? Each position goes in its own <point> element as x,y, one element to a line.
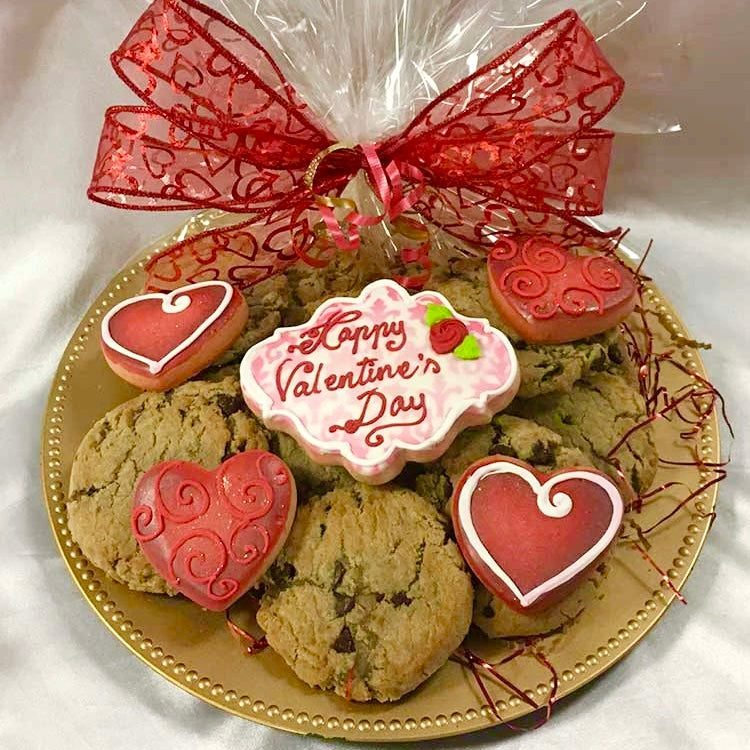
<point>593,416</point>
<point>369,596</point>
<point>507,436</point>
<point>497,620</point>
<point>199,421</point>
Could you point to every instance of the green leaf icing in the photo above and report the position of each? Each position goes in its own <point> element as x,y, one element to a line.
<point>436,313</point>
<point>468,348</point>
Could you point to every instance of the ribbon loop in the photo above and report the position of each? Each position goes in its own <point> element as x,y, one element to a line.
<point>510,149</point>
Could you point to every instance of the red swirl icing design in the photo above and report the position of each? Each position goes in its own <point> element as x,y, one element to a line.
<point>446,335</point>
<point>212,534</point>
<point>550,294</point>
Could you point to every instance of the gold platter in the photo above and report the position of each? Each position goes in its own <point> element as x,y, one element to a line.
<point>195,649</point>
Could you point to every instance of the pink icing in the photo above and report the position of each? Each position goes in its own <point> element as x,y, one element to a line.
<point>360,385</point>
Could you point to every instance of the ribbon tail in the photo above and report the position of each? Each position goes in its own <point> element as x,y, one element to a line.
<point>480,220</point>
<point>243,253</point>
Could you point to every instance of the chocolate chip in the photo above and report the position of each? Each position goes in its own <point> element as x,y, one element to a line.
<point>357,497</point>
<point>343,604</point>
<point>379,597</point>
<point>400,598</point>
<point>282,574</point>
<point>542,454</point>
<point>344,643</point>
<point>566,419</point>
<point>615,354</point>
<point>599,363</point>
<point>229,404</point>
<point>553,371</point>
<point>322,529</point>
<point>487,611</point>
<point>339,571</point>
<point>498,449</point>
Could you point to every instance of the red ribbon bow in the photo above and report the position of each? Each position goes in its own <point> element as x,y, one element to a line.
<point>510,149</point>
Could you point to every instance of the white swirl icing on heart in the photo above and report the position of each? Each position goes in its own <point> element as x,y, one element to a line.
<point>176,305</point>
<point>171,303</point>
<point>558,505</point>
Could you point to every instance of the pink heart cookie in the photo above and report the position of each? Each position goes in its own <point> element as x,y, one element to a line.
<point>552,295</point>
<point>156,341</point>
<point>212,534</point>
<point>531,537</point>
<point>362,384</point>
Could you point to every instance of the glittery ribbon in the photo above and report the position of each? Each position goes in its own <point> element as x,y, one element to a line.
<point>511,148</point>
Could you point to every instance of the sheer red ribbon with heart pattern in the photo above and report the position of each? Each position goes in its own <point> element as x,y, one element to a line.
<point>512,148</point>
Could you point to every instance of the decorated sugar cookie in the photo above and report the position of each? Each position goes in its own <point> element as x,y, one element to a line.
<point>530,537</point>
<point>368,384</point>
<point>156,341</point>
<point>552,295</point>
<point>212,534</point>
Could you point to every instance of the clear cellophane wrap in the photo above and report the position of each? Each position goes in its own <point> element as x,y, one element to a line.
<point>398,129</point>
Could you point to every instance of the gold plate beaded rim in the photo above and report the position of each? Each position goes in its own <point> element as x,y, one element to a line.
<point>591,649</point>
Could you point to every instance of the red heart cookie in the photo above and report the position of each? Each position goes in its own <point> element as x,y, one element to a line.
<point>212,534</point>
<point>156,341</point>
<point>552,295</point>
<point>532,537</point>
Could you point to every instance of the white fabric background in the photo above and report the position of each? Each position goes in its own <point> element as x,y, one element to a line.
<point>64,680</point>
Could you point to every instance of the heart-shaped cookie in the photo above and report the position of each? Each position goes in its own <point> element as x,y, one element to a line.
<point>212,534</point>
<point>552,295</point>
<point>532,537</point>
<point>156,341</point>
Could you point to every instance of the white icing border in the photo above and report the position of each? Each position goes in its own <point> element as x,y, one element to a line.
<point>558,507</point>
<point>374,469</point>
<point>172,302</point>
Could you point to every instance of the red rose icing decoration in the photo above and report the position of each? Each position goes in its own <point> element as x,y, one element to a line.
<point>447,334</point>
<point>551,294</point>
<point>212,534</point>
<point>532,537</point>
